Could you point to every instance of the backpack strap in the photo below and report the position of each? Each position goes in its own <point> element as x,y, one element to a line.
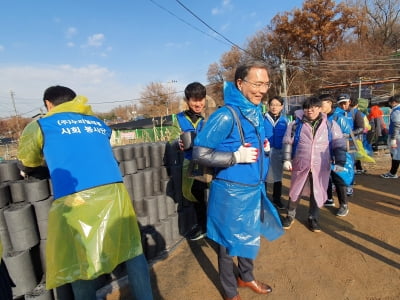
<point>238,123</point>
<point>295,134</point>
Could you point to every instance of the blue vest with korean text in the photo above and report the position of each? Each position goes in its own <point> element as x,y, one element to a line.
<point>78,153</point>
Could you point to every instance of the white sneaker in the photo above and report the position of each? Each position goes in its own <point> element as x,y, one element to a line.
<point>349,191</point>
<point>343,211</point>
<point>389,175</point>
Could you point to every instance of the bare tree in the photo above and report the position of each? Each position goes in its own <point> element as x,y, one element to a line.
<point>158,99</point>
<point>383,22</point>
<point>225,70</point>
<point>297,40</point>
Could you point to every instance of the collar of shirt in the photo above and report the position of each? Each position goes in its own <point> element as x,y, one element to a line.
<point>193,116</point>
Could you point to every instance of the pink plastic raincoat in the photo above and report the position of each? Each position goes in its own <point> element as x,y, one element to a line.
<point>312,155</point>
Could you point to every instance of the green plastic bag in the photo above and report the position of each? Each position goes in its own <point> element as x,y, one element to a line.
<point>89,234</point>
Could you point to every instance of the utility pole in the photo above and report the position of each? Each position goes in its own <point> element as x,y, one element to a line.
<point>169,93</point>
<point>283,70</point>
<point>134,111</point>
<point>15,110</point>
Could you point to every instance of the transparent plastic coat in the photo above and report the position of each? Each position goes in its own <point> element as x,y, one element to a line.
<point>239,211</point>
<point>187,182</point>
<point>394,132</point>
<point>362,153</point>
<point>89,232</point>
<point>237,216</point>
<point>313,155</point>
<point>347,174</point>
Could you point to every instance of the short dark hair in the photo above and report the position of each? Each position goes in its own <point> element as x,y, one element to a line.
<point>277,98</point>
<point>353,102</point>
<point>243,69</point>
<point>394,98</point>
<point>326,97</point>
<point>195,90</point>
<point>58,94</point>
<point>311,102</point>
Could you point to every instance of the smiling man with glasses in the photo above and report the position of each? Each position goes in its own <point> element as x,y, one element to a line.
<point>239,212</point>
<point>259,85</point>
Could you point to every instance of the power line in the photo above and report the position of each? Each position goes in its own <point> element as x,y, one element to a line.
<point>212,29</point>
<point>354,70</point>
<point>144,98</point>
<point>344,61</point>
<point>187,23</point>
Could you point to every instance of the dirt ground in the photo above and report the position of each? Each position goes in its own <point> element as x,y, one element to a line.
<point>354,257</point>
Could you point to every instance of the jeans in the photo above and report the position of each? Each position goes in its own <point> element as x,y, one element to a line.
<point>138,276</point>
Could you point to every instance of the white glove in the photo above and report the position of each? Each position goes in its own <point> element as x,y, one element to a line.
<point>246,155</point>
<point>267,146</point>
<point>393,144</point>
<point>287,165</point>
<point>337,168</point>
<point>23,174</point>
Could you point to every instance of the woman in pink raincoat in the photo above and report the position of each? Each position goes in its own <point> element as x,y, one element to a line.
<point>311,145</point>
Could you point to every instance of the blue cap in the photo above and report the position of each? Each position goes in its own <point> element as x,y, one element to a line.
<point>342,98</point>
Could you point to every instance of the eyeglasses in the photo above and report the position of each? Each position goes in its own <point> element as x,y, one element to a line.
<point>258,85</point>
<point>311,108</point>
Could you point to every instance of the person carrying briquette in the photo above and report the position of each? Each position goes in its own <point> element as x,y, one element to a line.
<point>92,224</point>
<point>275,124</point>
<point>311,143</point>
<point>190,123</point>
<point>239,212</point>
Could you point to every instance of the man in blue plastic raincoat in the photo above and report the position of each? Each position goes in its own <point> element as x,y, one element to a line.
<point>238,208</point>
<point>92,224</point>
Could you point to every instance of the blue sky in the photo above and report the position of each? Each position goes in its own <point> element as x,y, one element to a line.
<point>110,50</point>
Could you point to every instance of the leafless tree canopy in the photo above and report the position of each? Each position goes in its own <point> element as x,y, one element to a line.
<point>322,43</point>
<point>158,99</point>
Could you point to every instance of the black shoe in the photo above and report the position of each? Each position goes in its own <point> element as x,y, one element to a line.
<point>287,222</point>
<point>313,225</point>
<point>278,204</point>
<point>343,211</point>
<point>329,202</point>
<point>196,234</point>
